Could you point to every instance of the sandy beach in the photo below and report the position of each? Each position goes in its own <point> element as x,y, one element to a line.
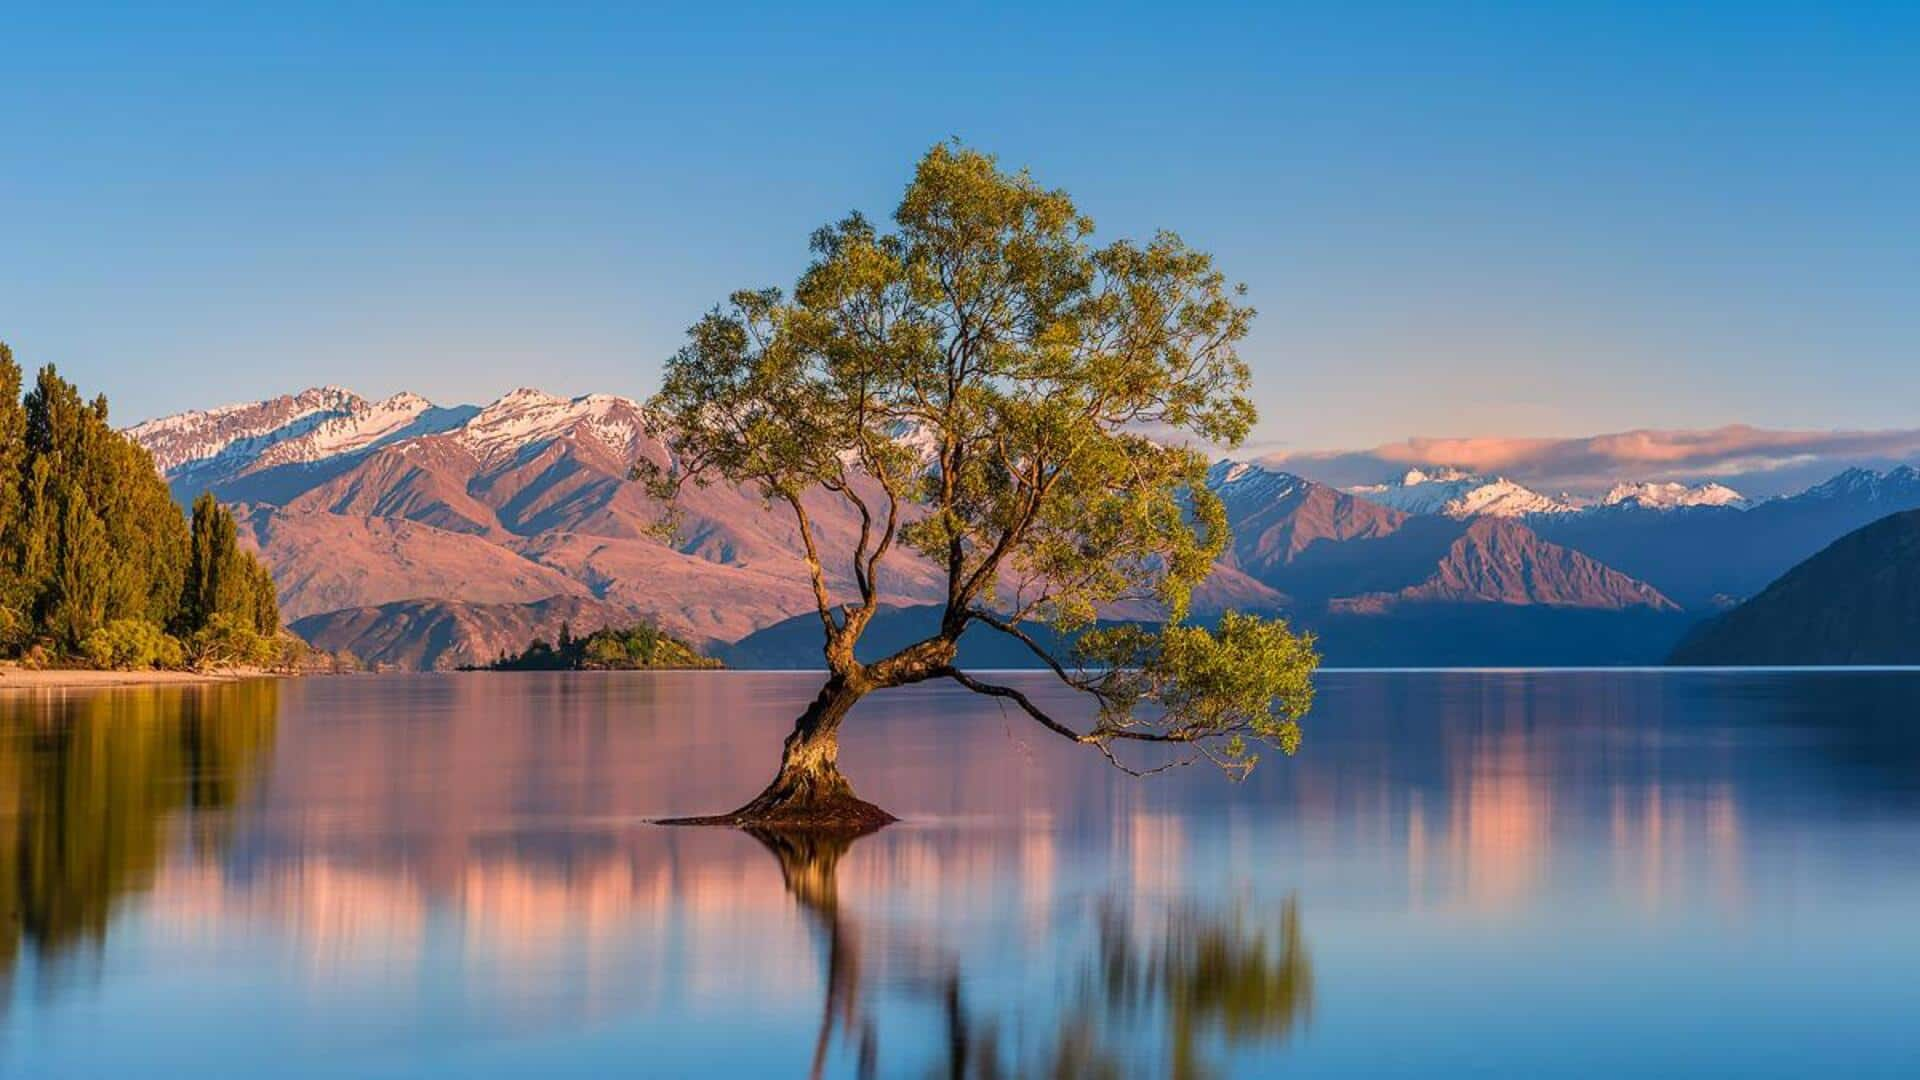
<point>15,677</point>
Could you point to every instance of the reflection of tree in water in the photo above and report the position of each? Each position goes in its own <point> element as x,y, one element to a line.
<point>810,869</point>
<point>1209,973</point>
<point>1160,989</point>
<point>88,784</point>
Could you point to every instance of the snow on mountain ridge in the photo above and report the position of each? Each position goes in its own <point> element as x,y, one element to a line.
<point>242,428</point>
<point>1456,493</point>
<point>1448,475</point>
<point>1864,482</point>
<point>323,423</point>
<point>1653,495</point>
<point>347,432</point>
<point>527,415</point>
<point>1243,480</point>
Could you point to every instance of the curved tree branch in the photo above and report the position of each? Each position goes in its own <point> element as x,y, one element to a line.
<point>1098,740</point>
<point>818,573</point>
<point>1013,630</point>
<point>1026,703</point>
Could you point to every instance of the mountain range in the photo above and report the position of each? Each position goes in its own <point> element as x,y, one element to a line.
<point>418,535</point>
<point>1856,602</point>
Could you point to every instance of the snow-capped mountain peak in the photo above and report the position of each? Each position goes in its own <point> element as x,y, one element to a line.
<point>1416,476</point>
<point>526,397</point>
<point>1457,493</point>
<point>526,415</point>
<point>1248,480</point>
<point>326,423</point>
<point>1652,495</point>
<point>1866,484</point>
<point>241,429</point>
<point>359,427</point>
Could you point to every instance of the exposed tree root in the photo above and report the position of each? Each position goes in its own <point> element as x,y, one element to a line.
<point>806,798</point>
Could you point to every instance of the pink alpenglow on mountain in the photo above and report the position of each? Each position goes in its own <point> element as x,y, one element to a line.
<point>421,535</point>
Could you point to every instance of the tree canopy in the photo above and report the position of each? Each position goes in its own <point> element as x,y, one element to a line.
<point>988,388</point>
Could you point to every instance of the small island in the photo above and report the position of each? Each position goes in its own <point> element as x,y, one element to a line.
<point>640,647</point>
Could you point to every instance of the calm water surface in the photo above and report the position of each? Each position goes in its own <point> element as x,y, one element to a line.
<point>1520,874</point>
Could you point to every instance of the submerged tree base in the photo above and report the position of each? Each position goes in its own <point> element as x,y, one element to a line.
<point>802,800</point>
<point>851,816</point>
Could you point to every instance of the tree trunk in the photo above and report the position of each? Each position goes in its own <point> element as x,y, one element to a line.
<point>809,792</point>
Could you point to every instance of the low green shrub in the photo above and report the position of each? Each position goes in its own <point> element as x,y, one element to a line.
<point>227,641</point>
<point>132,644</point>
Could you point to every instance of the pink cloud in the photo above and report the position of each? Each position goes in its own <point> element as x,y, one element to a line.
<point>1768,459</point>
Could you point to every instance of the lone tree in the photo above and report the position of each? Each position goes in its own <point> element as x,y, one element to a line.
<point>987,388</point>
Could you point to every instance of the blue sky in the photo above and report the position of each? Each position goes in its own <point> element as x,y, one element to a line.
<point>1456,220</point>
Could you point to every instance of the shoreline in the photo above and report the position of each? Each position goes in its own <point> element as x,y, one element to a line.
<point>14,677</point>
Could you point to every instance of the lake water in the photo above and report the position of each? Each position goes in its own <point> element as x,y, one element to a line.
<point>1521,874</point>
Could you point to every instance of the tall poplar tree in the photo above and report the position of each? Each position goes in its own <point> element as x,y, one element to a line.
<point>15,620</point>
<point>222,578</point>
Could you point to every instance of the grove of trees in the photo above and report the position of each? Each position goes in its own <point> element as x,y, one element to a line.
<point>97,563</point>
<point>640,647</point>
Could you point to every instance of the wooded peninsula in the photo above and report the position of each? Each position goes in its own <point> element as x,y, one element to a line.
<point>99,567</point>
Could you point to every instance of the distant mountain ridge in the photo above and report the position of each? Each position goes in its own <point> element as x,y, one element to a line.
<point>1318,544</point>
<point>1709,557</point>
<point>1856,602</point>
<point>1649,495</point>
<point>423,535</point>
<point>1458,493</point>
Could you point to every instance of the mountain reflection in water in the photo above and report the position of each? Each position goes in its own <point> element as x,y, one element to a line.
<point>458,875</point>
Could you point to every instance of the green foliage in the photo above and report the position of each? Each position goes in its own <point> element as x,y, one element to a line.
<point>996,392</point>
<point>92,501</point>
<point>15,622</point>
<point>1246,680</point>
<point>132,644</point>
<point>633,648</point>
<point>90,536</point>
<point>229,640</point>
<point>223,579</point>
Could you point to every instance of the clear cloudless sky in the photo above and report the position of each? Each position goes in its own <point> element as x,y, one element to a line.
<point>1456,219</point>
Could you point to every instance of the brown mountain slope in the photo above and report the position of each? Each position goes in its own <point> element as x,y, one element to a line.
<point>1498,561</point>
<point>1326,547</point>
<point>421,480</point>
<point>688,596</point>
<point>429,635</point>
<point>526,499</point>
<point>1280,520</point>
<point>327,561</point>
